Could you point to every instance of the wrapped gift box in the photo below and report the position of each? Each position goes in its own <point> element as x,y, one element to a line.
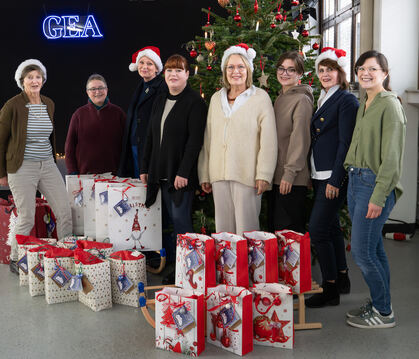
<point>36,271</point>
<point>263,257</point>
<point>294,260</point>
<point>180,321</point>
<point>229,319</point>
<point>195,262</point>
<point>273,320</point>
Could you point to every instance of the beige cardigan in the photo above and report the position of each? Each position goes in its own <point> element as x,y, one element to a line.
<point>242,147</point>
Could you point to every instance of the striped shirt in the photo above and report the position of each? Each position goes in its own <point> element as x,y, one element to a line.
<point>38,146</point>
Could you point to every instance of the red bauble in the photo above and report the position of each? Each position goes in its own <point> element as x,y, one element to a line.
<point>304,33</point>
<point>209,67</point>
<point>315,46</point>
<point>295,3</point>
<point>256,7</point>
<point>225,340</point>
<point>213,337</point>
<point>278,16</point>
<point>273,26</point>
<point>262,327</point>
<point>266,301</point>
<point>300,17</point>
<point>285,17</point>
<point>237,17</point>
<point>193,53</point>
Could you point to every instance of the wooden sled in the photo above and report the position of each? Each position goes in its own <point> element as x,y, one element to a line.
<point>162,253</point>
<point>300,306</point>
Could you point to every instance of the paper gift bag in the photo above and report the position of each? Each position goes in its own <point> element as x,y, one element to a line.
<point>56,261</point>
<point>36,271</point>
<point>128,268</point>
<point>263,257</point>
<point>6,209</point>
<point>180,321</point>
<point>96,292</point>
<point>229,319</point>
<point>131,224</point>
<point>294,260</point>
<point>231,259</point>
<point>273,320</point>
<point>195,262</point>
<point>98,249</point>
<point>70,242</point>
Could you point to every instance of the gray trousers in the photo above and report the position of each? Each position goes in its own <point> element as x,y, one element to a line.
<point>45,177</point>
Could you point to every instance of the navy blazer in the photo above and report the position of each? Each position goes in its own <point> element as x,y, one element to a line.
<point>332,126</point>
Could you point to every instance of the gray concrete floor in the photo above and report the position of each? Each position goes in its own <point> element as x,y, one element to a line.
<point>30,328</point>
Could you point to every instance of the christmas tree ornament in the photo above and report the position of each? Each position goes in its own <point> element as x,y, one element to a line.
<point>223,3</point>
<point>209,67</point>
<point>300,16</point>
<point>256,6</point>
<point>273,26</point>
<point>237,17</point>
<point>278,16</point>
<point>295,34</point>
<point>295,3</point>
<point>263,79</point>
<point>304,33</point>
<point>285,17</point>
<point>200,58</point>
<point>257,25</point>
<point>315,46</point>
<point>209,45</point>
<point>193,53</point>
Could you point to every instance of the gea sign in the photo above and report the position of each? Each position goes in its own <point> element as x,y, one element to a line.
<point>70,27</point>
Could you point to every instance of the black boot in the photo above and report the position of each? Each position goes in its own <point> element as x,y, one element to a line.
<point>343,282</point>
<point>330,296</point>
<point>13,267</point>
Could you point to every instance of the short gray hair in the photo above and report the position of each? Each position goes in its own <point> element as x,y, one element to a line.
<point>96,77</point>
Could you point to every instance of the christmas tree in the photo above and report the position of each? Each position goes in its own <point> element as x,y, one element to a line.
<point>270,27</point>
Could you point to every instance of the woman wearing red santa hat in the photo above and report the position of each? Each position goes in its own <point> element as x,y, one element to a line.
<point>332,126</point>
<point>148,63</point>
<point>27,150</point>
<point>238,158</point>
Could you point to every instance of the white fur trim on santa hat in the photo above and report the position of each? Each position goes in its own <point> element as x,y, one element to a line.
<point>22,66</point>
<point>248,54</point>
<point>152,56</point>
<point>330,54</point>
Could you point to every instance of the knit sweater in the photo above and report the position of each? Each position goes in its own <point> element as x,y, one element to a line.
<point>378,144</point>
<point>293,111</point>
<point>94,139</point>
<point>242,147</point>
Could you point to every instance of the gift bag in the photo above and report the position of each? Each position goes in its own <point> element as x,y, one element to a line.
<point>59,269</point>
<point>70,242</point>
<point>263,257</point>
<point>24,243</point>
<point>273,315</point>
<point>128,268</point>
<point>294,260</point>
<point>36,269</point>
<point>6,209</point>
<point>231,259</point>
<point>195,262</point>
<point>180,321</point>
<point>96,280</point>
<point>98,249</point>
<point>229,319</point>
<point>131,224</point>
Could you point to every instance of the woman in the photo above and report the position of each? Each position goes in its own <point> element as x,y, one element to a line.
<point>149,65</point>
<point>332,126</point>
<point>27,149</point>
<point>293,110</point>
<point>175,136</point>
<point>238,159</point>
<point>374,161</point>
<point>94,137</point>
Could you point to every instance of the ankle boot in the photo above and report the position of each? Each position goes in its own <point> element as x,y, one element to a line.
<point>343,282</point>
<point>330,296</point>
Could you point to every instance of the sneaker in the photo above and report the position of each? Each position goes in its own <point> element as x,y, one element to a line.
<point>358,311</point>
<point>371,319</point>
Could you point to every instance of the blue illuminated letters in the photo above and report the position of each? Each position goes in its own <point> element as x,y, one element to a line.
<point>70,27</point>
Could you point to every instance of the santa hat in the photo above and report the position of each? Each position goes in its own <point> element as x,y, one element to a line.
<point>136,224</point>
<point>241,49</point>
<point>152,52</point>
<point>331,53</point>
<point>26,63</point>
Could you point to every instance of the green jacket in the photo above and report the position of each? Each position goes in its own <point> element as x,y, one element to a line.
<point>378,144</point>
<point>13,129</point>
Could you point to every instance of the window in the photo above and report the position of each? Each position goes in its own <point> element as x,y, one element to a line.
<point>339,26</point>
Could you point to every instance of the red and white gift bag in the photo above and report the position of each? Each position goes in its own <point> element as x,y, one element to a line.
<point>195,264</point>
<point>180,321</point>
<point>36,269</point>
<point>273,316</point>
<point>231,259</point>
<point>263,257</point>
<point>229,319</point>
<point>294,260</point>
<point>6,209</point>
<point>128,268</point>
<point>98,249</point>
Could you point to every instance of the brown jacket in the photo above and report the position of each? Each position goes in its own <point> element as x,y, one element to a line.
<point>13,128</point>
<point>293,111</point>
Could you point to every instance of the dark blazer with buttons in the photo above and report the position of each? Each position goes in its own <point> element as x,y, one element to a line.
<point>332,126</point>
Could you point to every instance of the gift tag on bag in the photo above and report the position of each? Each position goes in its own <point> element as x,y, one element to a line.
<point>23,264</point>
<point>229,317</point>
<point>38,270</point>
<point>78,199</point>
<point>229,258</point>
<point>87,286</point>
<point>291,257</point>
<point>125,285</point>
<point>183,319</point>
<point>103,197</point>
<point>76,283</point>
<point>193,261</point>
<point>61,277</point>
<point>122,207</point>
<point>256,257</point>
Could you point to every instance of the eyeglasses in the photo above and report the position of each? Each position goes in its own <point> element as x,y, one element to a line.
<point>94,89</point>
<point>288,71</point>
<point>371,70</point>
<point>240,68</point>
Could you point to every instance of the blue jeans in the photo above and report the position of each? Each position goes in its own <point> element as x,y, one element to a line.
<point>367,241</point>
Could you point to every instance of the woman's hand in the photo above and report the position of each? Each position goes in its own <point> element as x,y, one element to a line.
<point>285,187</point>
<point>374,211</point>
<point>144,178</point>
<point>180,182</point>
<point>261,186</point>
<point>331,192</point>
<point>3,181</point>
<point>206,187</point>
